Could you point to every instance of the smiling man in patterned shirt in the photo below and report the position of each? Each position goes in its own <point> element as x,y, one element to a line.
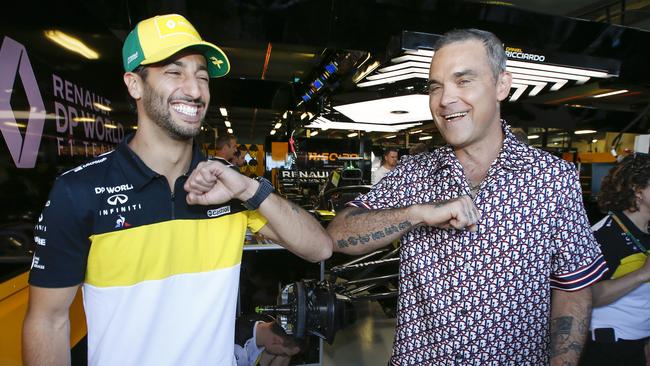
<point>489,229</point>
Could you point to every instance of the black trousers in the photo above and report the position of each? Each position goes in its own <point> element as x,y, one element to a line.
<point>621,353</point>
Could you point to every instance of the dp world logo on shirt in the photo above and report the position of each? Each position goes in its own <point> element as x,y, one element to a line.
<point>14,59</point>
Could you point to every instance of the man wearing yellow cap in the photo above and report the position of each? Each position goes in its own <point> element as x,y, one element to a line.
<point>159,275</point>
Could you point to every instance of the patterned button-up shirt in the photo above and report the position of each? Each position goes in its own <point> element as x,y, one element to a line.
<point>483,298</point>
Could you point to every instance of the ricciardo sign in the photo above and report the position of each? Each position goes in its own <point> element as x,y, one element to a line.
<point>14,60</point>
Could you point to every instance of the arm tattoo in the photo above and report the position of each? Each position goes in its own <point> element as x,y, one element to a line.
<point>356,212</point>
<point>561,342</point>
<point>376,235</point>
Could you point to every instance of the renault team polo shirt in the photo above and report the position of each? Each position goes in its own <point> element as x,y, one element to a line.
<point>159,276</point>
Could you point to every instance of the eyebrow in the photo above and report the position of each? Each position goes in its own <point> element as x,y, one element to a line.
<point>457,74</point>
<point>182,64</point>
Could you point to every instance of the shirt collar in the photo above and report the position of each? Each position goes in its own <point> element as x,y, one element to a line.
<point>514,155</point>
<point>137,172</point>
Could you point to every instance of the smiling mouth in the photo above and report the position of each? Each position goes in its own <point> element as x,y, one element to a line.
<point>188,110</point>
<point>454,116</point>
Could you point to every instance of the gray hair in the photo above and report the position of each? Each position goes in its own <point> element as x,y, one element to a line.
<point>493,46</point>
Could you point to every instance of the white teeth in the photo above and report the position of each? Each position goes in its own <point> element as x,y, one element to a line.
<point>454,115</point>
<point>186,109</point>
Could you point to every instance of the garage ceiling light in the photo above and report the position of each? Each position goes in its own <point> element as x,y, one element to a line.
<point>324,123</point>
<point>379,111</point>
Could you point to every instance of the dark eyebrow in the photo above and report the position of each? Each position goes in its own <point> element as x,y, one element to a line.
<point>181,64</point>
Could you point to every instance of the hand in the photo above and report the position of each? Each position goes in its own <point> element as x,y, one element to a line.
<point>213,183</point>
<point>459,213</point>
<point>273,342</point>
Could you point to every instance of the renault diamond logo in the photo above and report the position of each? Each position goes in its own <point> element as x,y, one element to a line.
<point>14,61</point>
<point>117,199</point>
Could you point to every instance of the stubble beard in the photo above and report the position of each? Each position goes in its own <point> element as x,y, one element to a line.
<point>158,111</point>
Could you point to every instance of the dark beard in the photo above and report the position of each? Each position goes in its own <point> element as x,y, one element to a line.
<point>155,107</point>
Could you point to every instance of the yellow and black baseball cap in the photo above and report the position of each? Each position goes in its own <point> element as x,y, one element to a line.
<point>156,39</point>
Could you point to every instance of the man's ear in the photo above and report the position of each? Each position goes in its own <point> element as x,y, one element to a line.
<point>133,84</point>
<point>503,85</point>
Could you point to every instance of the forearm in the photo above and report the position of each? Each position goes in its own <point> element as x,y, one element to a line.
<point>606,292</point>
<point>357,231</point>
<point>46,341</point>
<point>296,229</point>
<point>570,316</point>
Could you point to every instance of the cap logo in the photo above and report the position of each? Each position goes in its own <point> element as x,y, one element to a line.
<point>132,57</point>
<point>174,26</point>
<point>216,61</point>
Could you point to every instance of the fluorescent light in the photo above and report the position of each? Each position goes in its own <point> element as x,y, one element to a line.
<point>405,65</point>
<point>102,107</point>
<point>519,90</point>
<point>286,113</point>
<point>611,93</point>
<point>579,79</point>
<point>135,127</point>
<point>560,69</point>
<point>594,140</point>
<point>390,137</point>
<point>425,138</point>
<point>353,134</point>
<point>584,132</point>
<point>324,123</point>
<point>558,83</point>
<point>393,79</point>
<point>71,43</point>
<point>272,132</point>
<point>378,111</point>
<point>420,52</point>
<point>539,85</point>
<point>223,111</point>
<point>230,130</point>
<point>83,119</point>
<point>227,123</point>
<point>278,125</point>
<point>389,74</point>
<point>313,133</point>
<point>414,132</point>
<point>14,124</point>
<point>303,115</point>
<point>416,58</point>
<point>533,137</point>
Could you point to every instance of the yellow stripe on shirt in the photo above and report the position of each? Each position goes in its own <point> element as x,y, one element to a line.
<point>161,250</point>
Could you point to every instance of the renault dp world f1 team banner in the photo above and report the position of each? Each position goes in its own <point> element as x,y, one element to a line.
<point>46,113</point>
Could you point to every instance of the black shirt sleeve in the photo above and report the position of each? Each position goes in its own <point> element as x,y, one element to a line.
<point>62,241</point>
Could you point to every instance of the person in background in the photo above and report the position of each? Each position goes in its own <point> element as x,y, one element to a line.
<point>388,163</point>
<point>226,147</point>
<point>238,159</point>
<point>160,277</point>
<point>620,322</point>
<point>496,250</point>
<point>267,345</point>
<point>418,148</point>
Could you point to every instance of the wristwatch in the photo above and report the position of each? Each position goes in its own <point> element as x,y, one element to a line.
<point>264,190</point>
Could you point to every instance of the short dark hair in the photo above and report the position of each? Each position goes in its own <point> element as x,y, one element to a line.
<point>493,46</point>
<point>224,140</point>
<point>388,150</point>
<point>618,189</point>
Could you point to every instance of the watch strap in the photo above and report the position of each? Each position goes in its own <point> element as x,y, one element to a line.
<point>263,191</point>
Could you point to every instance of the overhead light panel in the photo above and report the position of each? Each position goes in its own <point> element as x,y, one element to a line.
<point>584,132</point>
<point>223,111</point>
<point>390,136</point>
<point>230,130</point>
<point>353,134</point>
<point>412,108</point>
<point>324,123</point>
<point>423,138</point>
<point>533,137</point>
<point>314,133</point>
<point>414,132</point>
<point>272,132</point>
<point>227,123</point>
<point>71,43</point>
<point>615,92</point>
<point>278,125</point>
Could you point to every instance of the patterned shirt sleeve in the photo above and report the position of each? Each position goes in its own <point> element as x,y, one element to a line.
<point>387,193</point>
<point>577,259</point>
<point>62,242</point>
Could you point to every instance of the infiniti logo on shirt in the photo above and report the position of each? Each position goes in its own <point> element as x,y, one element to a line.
<point>117,199</point>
